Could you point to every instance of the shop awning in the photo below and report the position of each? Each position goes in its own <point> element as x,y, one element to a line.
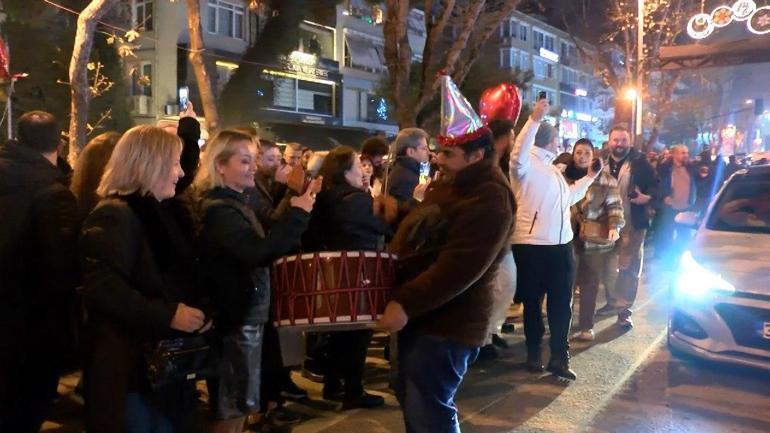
<point>364,52</point>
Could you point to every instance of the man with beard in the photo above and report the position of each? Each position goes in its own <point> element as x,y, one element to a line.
<point>444,292</point>
<point>638,183</point>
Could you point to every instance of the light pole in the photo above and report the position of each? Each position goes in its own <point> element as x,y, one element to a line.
<point>639,71</point>
<point>632,95</point>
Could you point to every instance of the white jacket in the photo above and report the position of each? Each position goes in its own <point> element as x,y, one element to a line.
<point>543,197</point>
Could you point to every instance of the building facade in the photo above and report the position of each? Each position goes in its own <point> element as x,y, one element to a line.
<point>528,43</point>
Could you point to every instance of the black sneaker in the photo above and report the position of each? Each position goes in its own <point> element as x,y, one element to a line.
<point>292,392</point>
<point>561,369</point>
<point>363,401</point>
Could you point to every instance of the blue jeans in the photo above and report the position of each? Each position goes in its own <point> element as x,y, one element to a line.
<point>142,417</point>
<point>430,369</point>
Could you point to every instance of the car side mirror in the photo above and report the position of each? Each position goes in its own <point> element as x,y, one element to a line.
<point>689,219</point>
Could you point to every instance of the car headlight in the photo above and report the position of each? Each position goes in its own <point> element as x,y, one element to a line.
<point>696,281</point>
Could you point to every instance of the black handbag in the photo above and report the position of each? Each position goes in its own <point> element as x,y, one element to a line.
<point>181,359</point>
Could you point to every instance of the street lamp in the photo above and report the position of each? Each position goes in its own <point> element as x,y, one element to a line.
<point>639,61</point>
<point>630,94</point>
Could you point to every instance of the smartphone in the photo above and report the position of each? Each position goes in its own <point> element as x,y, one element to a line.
<point>596,165</point>
<point>184,98</point>
<point>424,172</point>
<point>542,95</point>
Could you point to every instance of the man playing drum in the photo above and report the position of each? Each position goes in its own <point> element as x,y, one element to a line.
<point>449,249</point>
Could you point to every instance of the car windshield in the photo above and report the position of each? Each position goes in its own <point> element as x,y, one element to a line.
<point>744,206</point>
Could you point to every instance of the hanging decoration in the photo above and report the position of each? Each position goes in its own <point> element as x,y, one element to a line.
<point>757,19</point>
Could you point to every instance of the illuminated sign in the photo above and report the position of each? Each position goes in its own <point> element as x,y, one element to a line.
<point>549,55</point>
<point>581,92</point>
<point>304,63</point>
<point>757,19</point>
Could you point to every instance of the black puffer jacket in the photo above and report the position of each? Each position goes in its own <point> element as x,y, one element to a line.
<point>236,254</point>
<point>344,220</point>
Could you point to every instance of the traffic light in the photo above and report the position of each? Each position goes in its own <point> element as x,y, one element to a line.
<point>759,107</point>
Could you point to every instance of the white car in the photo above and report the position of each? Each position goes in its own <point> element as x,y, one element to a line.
<point>720,307</point>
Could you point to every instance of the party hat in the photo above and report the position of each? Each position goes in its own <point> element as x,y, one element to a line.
<point>459,123</point>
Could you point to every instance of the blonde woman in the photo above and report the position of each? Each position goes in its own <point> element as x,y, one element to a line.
<point>236,255</point>
<point>138,288</point>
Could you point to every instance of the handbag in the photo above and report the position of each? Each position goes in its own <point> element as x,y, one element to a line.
<point>595,232</point>
<point>180,359</point>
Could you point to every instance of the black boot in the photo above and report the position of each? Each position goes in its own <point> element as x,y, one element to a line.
<point>560,368</point>
<point>535,361</point>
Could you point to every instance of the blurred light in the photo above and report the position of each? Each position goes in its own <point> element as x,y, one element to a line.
<point>630,94</point>
<point>581,92</point>
<point>695,281</point>
<point>749,101</point>
<point>227,65</point>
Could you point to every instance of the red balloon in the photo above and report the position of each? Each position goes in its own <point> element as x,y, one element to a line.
<point>500,102</point>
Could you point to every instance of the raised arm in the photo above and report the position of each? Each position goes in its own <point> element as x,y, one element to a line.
<point>520,155</point>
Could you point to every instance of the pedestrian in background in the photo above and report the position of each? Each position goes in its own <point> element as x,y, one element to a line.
<point>38,271</point>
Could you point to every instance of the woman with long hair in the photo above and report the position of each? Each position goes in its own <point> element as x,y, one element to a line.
<point>596,260</point>
<point>236,254</point>
<point>138,288</point>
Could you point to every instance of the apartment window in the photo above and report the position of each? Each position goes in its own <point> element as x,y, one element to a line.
<point>542,40</point>
<point>569,76</point>
<point>143,14</point>
<point>505,58</point>
<point>505,29</point>
<point>141,79</point>
<point>509,29</point>
<point>523,61</point>
<point>543,69</point>
<point>523,32</point>
<point>225,19</point>
<point>568,51</point>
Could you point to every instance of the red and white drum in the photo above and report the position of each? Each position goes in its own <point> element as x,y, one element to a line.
<point>340,287</point>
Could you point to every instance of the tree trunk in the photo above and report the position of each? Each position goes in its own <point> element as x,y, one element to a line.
<point>435,32</point>
<point>199,67</point>
<point>398,56</point>
<point>78,73</point>
<point>483,31</point>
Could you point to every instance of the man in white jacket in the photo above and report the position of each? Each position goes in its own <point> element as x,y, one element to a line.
<point>542,239</point>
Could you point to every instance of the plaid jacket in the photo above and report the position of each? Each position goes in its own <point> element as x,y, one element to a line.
<point>601,203</point>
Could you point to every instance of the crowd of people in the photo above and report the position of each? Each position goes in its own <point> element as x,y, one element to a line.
<point>151,238</point>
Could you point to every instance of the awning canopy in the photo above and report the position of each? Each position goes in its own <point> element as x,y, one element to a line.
<point>738,52</point>
<point>364,52</point>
